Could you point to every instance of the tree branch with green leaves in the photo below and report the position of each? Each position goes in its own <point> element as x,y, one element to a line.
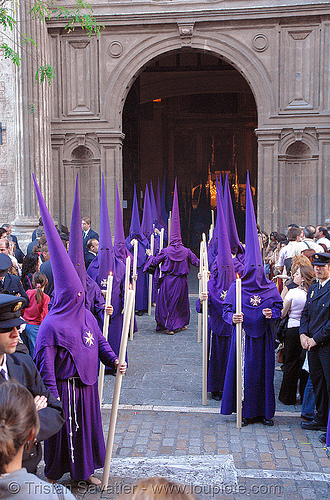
<point>81,16</point>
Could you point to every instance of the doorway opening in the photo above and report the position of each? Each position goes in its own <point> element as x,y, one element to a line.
<point>190,115</point>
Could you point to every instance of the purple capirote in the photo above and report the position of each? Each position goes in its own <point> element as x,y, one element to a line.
<point>141,294</point>
<point>67,352</point>
<point>102,265</point>
<point>94,300</point>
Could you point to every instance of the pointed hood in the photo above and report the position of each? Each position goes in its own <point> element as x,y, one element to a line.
<point>258,292</point>
<point>120,249</point>
<point>163,202</point>
<point>76,250</point>
<point>175,236</point>
<point>105,255</point>
<point>159,202</point>
<point>135,228</point>
<point>235,244</point>
<point>147,226</point>
<point>220,189</point>
<point>68,324</point>
<point>224,258</point>
<point>222,276</point>
<point>254,273</point>
<point>175,250</point>
<point>154,210</point>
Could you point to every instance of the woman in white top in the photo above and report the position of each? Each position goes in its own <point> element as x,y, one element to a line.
<point>19,425</point>
<point>293,305</point>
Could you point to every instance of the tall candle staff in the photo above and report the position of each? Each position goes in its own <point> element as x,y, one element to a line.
<point>161,246</point>
<point>116,392</point>
<point>205,328</point>
<point>105,331</point>
<point>169,226</point>
<point>239,354</point>
<point>152,241</point>
<point>135,252</point>
<point>127,276</point>
<point>199,315</point>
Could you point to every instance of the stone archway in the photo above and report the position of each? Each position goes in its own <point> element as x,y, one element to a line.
<point>230,49</point>
<point>225,47</point>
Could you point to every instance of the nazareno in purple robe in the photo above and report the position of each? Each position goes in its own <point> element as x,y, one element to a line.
<point>67,351</point>
<point>258,293</point>
<point>81,403</point>
<point>172,306</point>
<point>259,396</point>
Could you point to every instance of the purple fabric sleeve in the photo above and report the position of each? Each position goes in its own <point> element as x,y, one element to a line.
<point>45,361</point>
<point>193,259</point>
<point>106,354</point>
<point>228,313</point>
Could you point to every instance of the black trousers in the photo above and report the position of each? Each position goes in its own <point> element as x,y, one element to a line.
<point>319,369</point>
<point>292,371</point>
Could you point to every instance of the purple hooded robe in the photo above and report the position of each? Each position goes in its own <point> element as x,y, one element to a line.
<point>258,293</point>
<point>220,335</point>
<point>69,345</point>
<point>172,307</point>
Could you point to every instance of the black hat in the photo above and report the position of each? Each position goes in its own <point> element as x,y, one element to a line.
<point>10,311</point>
<point>5,262</point>
<point>321,259</point>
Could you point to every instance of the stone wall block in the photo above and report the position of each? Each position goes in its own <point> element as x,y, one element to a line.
<point>299,69</point>
<point>80,67</point>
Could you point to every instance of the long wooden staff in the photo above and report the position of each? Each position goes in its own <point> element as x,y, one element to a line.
<point>205,328</point>
<point>239,354</point>
<point>161,245</point>
<point>199,315</point>
<point>116,392</point>
<point>105,332</point>
<point>152,242</point>
<point>127,276</point>
<point>131,331</point>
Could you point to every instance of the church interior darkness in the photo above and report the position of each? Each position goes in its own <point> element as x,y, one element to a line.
<point>190,115</point>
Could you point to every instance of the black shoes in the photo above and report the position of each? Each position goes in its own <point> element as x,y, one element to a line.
<point>263,420</point>
<point>267,421</point>
<point>308,419</point>
<point>313,426</point>
<point>217,395</point>
<point>323,438</point>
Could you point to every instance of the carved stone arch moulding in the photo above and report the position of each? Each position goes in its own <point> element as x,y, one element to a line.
<point>244,59</point>
<point>77,142</point>
<point>306,136</point>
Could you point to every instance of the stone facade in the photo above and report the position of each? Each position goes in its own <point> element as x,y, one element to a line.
<point>282,51</point>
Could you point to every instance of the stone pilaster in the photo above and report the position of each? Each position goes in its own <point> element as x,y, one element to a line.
<point>35,129</point>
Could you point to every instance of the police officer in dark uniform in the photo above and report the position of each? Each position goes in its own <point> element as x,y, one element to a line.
<point>20,367</point>
<point>10,283</point>
<point>315,336</point>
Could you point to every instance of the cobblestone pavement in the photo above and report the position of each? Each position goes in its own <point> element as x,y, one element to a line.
<point>163,429</point>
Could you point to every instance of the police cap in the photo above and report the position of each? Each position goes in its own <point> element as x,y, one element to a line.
<point>321,259</point>
<point>5,262</point>
<point>10,311</point>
